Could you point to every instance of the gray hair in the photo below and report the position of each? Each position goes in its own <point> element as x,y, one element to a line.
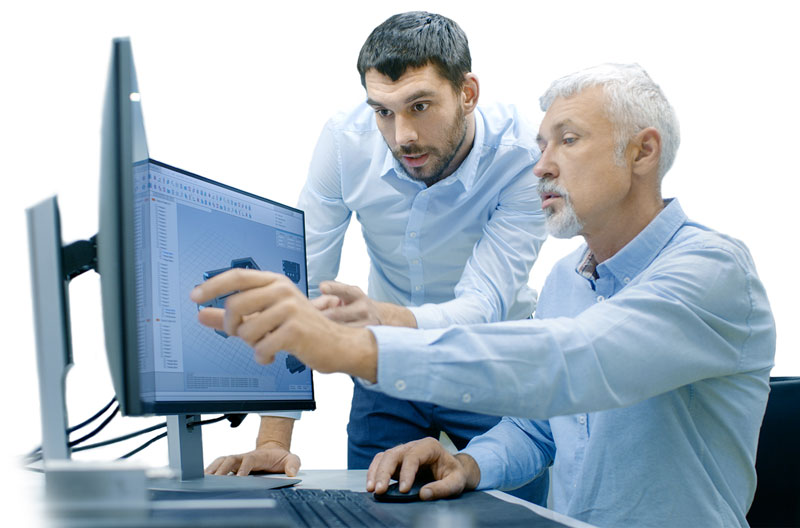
<point>634,102</point>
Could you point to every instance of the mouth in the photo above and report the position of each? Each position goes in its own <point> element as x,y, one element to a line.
<point>549,198</point>
<point>416,160</point>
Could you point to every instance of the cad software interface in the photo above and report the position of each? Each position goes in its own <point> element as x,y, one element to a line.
<point>188,230</point>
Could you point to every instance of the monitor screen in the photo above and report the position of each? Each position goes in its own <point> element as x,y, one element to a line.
<point>163,231</point>
<point>188,229</point>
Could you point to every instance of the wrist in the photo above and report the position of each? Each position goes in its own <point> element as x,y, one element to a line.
<point>275,432</point>
<point>395,315</point>
<point>361,351</point>
<point>471,470</point>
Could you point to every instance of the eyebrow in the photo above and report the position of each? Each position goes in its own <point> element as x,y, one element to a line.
<point>413,97</point>
<point>561,125</point>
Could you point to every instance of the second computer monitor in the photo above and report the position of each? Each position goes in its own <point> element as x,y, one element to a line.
<point>187,230</point>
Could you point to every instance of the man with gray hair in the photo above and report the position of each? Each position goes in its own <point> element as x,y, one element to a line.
<point>644,376</point>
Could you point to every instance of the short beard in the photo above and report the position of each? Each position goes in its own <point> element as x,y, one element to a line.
<point>456,135</point>
<point>564,223</point>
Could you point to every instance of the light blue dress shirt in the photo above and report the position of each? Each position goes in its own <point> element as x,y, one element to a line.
<point>458,252</point>
<point>653,373</point>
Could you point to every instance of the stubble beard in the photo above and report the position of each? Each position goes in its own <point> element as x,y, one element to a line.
<point>456,135</point>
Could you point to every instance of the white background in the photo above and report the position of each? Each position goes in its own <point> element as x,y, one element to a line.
<point>238,92</point>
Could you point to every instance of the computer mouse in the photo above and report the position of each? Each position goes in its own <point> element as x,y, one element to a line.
<point>393,493</point>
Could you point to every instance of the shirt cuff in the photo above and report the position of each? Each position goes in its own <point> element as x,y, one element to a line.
<point>429,316</point>
<point>294,415</point>
<point>489,463</point>
<point>397,376</point>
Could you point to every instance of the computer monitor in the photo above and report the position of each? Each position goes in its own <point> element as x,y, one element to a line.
<point>162,231</point>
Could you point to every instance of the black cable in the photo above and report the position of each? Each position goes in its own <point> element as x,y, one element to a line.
<point>162,435</point>
<point>96,430</point>
<point>144,445</point>
<point>120,438</point>
<point>207,422</point>
<point>36,456</point>
<point>36,452</point>
<point>93,418</point>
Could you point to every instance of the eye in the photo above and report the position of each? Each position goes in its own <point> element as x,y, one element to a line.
<point>383,112</point>
<point>569,139</point>
<point>420,107</point>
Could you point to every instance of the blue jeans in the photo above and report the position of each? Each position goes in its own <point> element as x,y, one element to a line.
<point>379,422</point>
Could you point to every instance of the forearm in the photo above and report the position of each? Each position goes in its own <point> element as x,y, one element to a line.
<point>275,430</point>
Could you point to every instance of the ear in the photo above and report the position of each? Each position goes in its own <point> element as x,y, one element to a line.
<point>646,151</point>
<point>470,91</point>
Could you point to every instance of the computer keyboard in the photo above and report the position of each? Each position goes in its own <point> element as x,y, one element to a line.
<point>314,507</point>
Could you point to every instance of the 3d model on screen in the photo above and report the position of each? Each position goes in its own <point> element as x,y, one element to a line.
<point>294,365</point>
<point>292,270</point>
<point>219,302</point>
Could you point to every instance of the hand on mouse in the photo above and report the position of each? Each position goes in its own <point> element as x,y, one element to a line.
<point>452,474</point>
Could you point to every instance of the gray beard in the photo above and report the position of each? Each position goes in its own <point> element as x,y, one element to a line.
<point>565,223</point>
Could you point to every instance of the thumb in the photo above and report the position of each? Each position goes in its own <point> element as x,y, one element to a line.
<point>450,485</point>
<point>345,292</point>
<point>292,465</point>
<point>213,317</point>
<point>325,302</point>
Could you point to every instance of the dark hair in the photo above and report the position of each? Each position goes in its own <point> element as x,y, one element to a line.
<point>413,40</point>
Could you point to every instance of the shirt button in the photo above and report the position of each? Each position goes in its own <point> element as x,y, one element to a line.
<point>400,385</point>
<point>600,298</point>
<point>582,420</point>
<point>417,288</point>
<point>415,262</point>
<point>466,397</point>
<point>626,280</point>
<point>412,234</point>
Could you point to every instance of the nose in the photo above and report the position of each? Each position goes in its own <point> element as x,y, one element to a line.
<point>546,166</point>
<point>404,131</point>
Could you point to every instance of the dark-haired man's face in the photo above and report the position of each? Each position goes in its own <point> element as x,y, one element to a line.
<point>422,121</point>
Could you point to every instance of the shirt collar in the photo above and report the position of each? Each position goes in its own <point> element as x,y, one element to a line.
<point>639,252</point>
<point>466,173</point>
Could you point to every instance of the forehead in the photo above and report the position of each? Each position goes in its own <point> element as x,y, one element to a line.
<point>425,80</point>
<point>585,109</point>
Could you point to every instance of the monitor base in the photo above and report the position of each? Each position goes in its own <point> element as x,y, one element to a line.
<point>221,483</point>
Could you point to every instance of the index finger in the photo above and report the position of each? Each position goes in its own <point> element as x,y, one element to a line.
<point>385,468</point>
<point>236,279</point>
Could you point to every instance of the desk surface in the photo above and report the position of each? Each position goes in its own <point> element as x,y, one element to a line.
<point>355,480</point>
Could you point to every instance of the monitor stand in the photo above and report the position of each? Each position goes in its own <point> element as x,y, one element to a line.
<point>51,322</point>
<point>186,461</point>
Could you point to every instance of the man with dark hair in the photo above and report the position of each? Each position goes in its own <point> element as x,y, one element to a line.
<point>445,194</point>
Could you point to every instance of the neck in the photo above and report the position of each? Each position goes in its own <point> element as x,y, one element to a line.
<point>605,241</point>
